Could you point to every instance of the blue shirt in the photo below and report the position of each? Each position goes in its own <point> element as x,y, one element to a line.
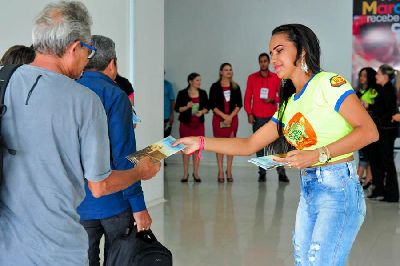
<point>122,143</point>
<point>169,97</point>
<point>59,131</point>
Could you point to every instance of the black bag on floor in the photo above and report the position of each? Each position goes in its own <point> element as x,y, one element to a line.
<point>140,249</point>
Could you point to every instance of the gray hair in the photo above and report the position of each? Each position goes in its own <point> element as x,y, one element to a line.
<point>104,54</point>
<point>60,24</point>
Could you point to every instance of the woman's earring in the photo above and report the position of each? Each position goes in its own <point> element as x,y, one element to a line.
<point>304,66</point>
<point>283,82</point>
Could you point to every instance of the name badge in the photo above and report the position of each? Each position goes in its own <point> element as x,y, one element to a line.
<point>227,95</point>
<point>264,93</point>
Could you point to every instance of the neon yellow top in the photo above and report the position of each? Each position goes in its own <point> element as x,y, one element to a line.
<point>368,96</point>
<point>311,119</point>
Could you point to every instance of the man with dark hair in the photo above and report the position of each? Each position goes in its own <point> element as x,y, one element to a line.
<point>111,215</point>
<point>59,131</point>
<point>260,103</point>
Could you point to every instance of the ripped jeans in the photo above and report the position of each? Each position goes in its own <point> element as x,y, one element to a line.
<point>330,213</point>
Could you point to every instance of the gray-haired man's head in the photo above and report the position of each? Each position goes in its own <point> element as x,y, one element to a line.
<point>104,54</point>
<point>59,25</point>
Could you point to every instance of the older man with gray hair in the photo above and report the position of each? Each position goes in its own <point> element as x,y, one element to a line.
<point>59,131</point>
<point>111,215</point>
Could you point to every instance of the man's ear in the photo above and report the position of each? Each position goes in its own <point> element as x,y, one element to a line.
<point>73,48</point>
<point>110,65</point>
<point>113,64</point>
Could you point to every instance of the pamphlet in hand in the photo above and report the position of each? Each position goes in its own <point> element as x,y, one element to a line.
<point>267,162</point>
<point>195,108</point>
<point>157,151</point>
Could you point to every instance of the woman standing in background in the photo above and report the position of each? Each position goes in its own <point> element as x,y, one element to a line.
<point>382,157</point>
<point>225,101</point>
<point>192,105</point>
<point>366,93</point>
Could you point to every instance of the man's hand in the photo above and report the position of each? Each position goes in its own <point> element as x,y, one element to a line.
<point>148,167</point>
<point>251,119</point>
<point>396,118</point>
<point>142,220</point>
<point>269,100</point>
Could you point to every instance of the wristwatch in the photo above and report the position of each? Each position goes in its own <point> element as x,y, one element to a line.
<point>323,155</point>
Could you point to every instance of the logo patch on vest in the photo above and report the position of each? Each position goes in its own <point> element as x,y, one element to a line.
<point>299,132</point>
<point>337,81</point>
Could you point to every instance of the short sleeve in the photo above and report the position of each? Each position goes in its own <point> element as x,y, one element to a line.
<point>179,101</point>
<point>212,99</point>
<point>239,97</point>
<point>205,103</point>
<point>276,120</point>
<point>171,92</point>
<point>94,142</point>
<point>121,133</point>
<point>335,90</point>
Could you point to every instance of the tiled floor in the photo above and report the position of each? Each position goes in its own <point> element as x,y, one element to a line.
<point>247,223</point>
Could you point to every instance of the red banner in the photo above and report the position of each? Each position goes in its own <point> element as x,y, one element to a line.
<point>376,34</point>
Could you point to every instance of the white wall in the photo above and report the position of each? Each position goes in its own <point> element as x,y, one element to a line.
<point>200,35</point>
<point>149,82</point>
<point>112,19</point>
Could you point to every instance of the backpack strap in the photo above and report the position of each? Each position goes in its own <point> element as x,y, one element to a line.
<point>5,76</point>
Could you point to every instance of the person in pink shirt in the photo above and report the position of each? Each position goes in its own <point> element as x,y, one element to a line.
<point>260,103</point>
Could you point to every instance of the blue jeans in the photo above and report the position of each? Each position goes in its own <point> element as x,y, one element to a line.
<point>330,213</point>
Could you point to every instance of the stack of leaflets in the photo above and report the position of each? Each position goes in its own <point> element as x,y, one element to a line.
<point>157,151</point>
<point>267,162</point>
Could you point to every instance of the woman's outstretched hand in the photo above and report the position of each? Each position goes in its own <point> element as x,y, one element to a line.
<point>192,144</point>
<point>299,158</point>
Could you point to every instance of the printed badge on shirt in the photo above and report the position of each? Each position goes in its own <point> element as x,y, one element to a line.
<point>264,93</point>
<point>227,95</point>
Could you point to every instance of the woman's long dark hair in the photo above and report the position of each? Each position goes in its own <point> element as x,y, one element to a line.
<point>304,39</point>
<point>371,77</point>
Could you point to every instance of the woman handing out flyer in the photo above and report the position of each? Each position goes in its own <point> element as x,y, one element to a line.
<point>321,116</point>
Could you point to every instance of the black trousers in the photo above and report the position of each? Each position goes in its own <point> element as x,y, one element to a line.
<point>259,122</point>
<point>383,167</point>
<point>111,228</point>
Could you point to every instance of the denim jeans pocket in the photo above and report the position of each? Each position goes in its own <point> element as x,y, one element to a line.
<point>333,180</point>
<point>362,208</point>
